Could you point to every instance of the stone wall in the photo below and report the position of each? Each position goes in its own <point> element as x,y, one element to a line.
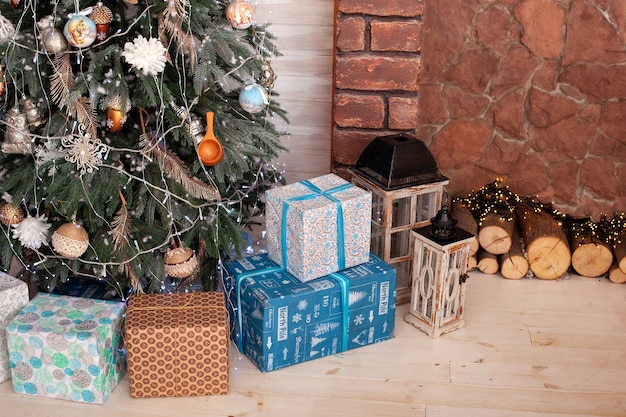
<point>529,91</point>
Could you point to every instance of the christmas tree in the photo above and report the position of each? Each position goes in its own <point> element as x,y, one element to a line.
<point>138,137</point>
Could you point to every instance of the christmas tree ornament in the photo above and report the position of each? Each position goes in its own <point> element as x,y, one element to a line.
<point>52,38</point>
<point>83,150</point>
<point>33,115</point>
<point>253,98</point>
<point>116,114</point>
<point>240,14</point>
<point>180,262</point>
<point>210,150</point>
<point>80,31</point>
<point>15,3</point>
<point>102,17</point>
<point>17,139</point>
<point>10,214</point>
<point>7,30</point>
<point>145,55</point>
<point>70,240</point>
<point>195,128</point>
<point>3,83</point>
<point>268,77</point>
<point>32,232</point>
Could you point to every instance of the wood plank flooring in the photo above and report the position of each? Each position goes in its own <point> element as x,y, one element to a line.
<point>530,348</point>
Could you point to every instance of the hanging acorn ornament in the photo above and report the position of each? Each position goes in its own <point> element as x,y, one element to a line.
<point>10,214</point>
<point>115,114</point>
<point>70,240</point>
<point>179,262</point>
<point>210,149</point>
<point>51,38</point>
<point>102,17</point>
<point>240,14</point>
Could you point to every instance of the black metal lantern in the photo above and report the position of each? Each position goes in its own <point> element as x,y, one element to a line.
<point>407,190</point>
<point>443,224</point>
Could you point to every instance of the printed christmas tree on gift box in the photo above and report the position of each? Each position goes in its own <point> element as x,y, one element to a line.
<point>138,137</point>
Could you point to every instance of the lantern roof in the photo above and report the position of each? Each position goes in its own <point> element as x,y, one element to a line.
<point>398,161</point>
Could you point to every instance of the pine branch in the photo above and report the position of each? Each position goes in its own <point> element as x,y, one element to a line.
<point>175,168</point>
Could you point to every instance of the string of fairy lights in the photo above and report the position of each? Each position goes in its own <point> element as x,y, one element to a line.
<point>497,198</point>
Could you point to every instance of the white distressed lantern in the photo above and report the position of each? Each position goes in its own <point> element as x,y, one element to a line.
<point>407,190</point>
<point>440,258</point>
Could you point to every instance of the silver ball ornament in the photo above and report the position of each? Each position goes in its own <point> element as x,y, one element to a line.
<point>53,40</point>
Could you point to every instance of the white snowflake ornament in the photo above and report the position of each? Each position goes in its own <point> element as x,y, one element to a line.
<point>84,151</point>
<point>32,232</point>
<point>145,55</point>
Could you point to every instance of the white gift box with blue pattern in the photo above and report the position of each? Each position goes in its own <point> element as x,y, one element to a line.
<point>318,226</point>
<point>13,297</point>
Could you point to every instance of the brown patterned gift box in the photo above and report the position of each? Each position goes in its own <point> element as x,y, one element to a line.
<point>177,345</point>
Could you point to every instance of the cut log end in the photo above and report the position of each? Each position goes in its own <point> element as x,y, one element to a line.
<point>592,259</point>
<point>616,274</point>
<point>487,262</point>
<point>549,257</point>
<point>513,266</point>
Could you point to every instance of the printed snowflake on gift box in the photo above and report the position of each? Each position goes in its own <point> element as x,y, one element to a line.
<point>302,305</point>
<point>297,318</point>
<point>359,319</point>
<point>84,151</point>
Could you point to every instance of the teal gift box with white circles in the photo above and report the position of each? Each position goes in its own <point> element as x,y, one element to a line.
<point>68,348</point>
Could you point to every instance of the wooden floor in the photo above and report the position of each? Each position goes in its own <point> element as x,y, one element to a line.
<point>530,348</point>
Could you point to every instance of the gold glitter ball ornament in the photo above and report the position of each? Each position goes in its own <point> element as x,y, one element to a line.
<point>70,240</point>
<point>10,214</point>
<point>180,262</point>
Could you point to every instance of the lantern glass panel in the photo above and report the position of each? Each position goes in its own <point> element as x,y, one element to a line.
<point>400,244</point>
<point>403,273</point>
<point>426,207</point>
<point>378,240</point>
<point>402,212</point>
<point>378,209</point>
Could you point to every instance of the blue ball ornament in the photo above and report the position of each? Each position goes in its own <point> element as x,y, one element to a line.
<point>80,31</point>
<point>253,98</point>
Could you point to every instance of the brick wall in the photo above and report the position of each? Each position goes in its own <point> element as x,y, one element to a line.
<point>532,92</point>
<point>377,73</point>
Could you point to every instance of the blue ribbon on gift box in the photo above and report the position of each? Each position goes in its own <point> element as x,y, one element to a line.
<point>317,192</point>
<point>344,285</point>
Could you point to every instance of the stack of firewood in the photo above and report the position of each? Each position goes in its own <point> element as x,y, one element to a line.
<point>520,237</point>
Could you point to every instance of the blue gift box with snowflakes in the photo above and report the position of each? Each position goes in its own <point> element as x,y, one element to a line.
<point>278,320</point>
